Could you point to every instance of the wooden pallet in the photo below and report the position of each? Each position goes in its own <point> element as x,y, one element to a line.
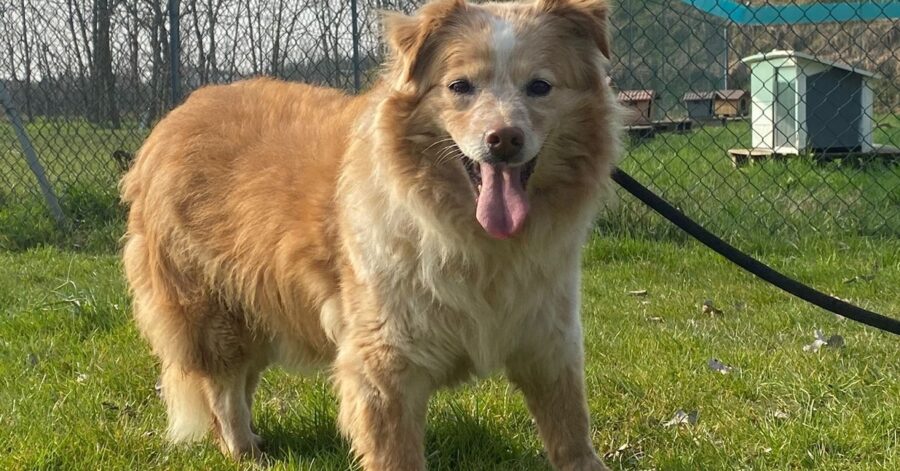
<point>742,157</point>
<point>649,130</point>
<point>668,125</point>
<point>640,132</point>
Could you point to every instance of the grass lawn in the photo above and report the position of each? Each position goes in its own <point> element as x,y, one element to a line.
<point>77,383</point>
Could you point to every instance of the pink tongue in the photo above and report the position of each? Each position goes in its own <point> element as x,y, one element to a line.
<point>502,204</point>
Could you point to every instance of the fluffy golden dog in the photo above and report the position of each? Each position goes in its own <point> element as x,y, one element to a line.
<point>410,238</point>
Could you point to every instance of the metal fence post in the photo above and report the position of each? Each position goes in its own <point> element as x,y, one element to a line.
<point>354,13</point>
<point>31,157</point>
<point>725,74</point>
<point>175,49</point>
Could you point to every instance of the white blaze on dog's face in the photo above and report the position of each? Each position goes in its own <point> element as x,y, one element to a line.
<point>498,79</point>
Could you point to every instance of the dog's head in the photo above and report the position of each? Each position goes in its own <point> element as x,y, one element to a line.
<point>496,88</point>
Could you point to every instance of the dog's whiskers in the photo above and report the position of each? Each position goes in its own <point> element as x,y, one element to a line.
<point>439,141</point>
<point>446,154</point>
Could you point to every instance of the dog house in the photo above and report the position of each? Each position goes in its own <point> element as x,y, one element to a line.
<point>639,104</point>
<point>716,104</point>
<point>800,102</point>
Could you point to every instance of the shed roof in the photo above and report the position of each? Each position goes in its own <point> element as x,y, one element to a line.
<point>636,95</point>
<point>730,94</point>
<point>698,96</point>
<point>787,54</point>
<point>719,94</point>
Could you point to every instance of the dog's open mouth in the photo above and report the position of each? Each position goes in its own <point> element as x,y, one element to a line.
<point>502,202</point>
<point>474,170</point>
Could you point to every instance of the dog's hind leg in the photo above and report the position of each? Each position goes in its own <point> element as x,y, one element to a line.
<point>211,365</point>
<point>189,415</point>
<point>227,396</point>
<point>209,384</point>
<point>254,371</point>
<point>210,355</point>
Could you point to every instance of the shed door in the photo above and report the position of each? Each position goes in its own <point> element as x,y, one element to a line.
<point>834,110</point>
<point>785,110</point>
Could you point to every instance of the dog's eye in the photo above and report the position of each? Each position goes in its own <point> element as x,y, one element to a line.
<point>461,87</point>
<point>539,88</point>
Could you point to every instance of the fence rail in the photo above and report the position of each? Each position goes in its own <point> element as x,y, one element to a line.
<point>818,125</point>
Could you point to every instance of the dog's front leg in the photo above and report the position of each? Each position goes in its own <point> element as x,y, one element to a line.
<point>383,405</point>
<point>553,385</point>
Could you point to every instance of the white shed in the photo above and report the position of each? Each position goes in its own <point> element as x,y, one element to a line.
<point>800,102</point>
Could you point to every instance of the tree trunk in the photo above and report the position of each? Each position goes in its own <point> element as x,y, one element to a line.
<point>201,52</point>
<point>26,58</point>
<point>103,79</point>
<point>77,51</point>
<point>159,60</point>
<point>275,67</point>
<point>211,21</point>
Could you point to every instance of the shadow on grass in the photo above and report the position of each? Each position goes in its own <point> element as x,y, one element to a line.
<point>455,439</point>
<point>459,439</point>
<point>314,438</point>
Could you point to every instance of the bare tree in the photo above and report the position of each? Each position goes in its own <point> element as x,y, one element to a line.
<point>73,10</point>
<point>132,31</point>
<point>275,61</point>
<point>102,78</point>
<point>159,57</point>
<point>330,16</point>
<point>253,15</point>
<point>9,38</point>
<point>205,19</point>
<point>26,58</point>
<point>213,7</point>
<point>194,13</point>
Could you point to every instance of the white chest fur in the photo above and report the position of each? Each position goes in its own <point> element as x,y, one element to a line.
<point>478,301</point>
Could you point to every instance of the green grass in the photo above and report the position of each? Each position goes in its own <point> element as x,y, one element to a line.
<point>76,381</point>
<point>77,158</point>
<point>785,198</point>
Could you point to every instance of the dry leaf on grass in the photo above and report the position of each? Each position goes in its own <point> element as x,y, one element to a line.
<point>835,341</point>
<point>716,365</point>
<point>625,451</point>
<point>858,278</point>
<point>709,308</point>
<point>780,414</point>
<point>683,418</point>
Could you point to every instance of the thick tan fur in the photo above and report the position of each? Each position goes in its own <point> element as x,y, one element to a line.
<point>273,222</point>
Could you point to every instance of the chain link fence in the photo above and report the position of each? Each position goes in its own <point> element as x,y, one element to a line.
<point>754,143</point>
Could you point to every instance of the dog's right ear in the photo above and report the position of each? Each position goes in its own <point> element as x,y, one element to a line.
<point>590,16</point>
<point>407,35</point>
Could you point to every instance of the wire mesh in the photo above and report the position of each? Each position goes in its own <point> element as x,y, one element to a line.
<point>814,132</point>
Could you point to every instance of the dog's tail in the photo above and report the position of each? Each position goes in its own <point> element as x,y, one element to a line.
<point>189,415</point>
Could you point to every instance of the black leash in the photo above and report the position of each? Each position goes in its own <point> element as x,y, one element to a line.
<point>752,265</point>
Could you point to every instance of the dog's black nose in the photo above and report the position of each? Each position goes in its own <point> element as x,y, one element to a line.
<point>505,143</point>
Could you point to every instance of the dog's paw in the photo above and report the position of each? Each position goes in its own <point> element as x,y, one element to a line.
<point>257,440</point>
<point>250,451</point>
<point>588,463</point>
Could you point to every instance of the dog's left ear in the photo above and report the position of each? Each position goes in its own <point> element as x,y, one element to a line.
<point>407,35</point>
<point>590,16</point>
